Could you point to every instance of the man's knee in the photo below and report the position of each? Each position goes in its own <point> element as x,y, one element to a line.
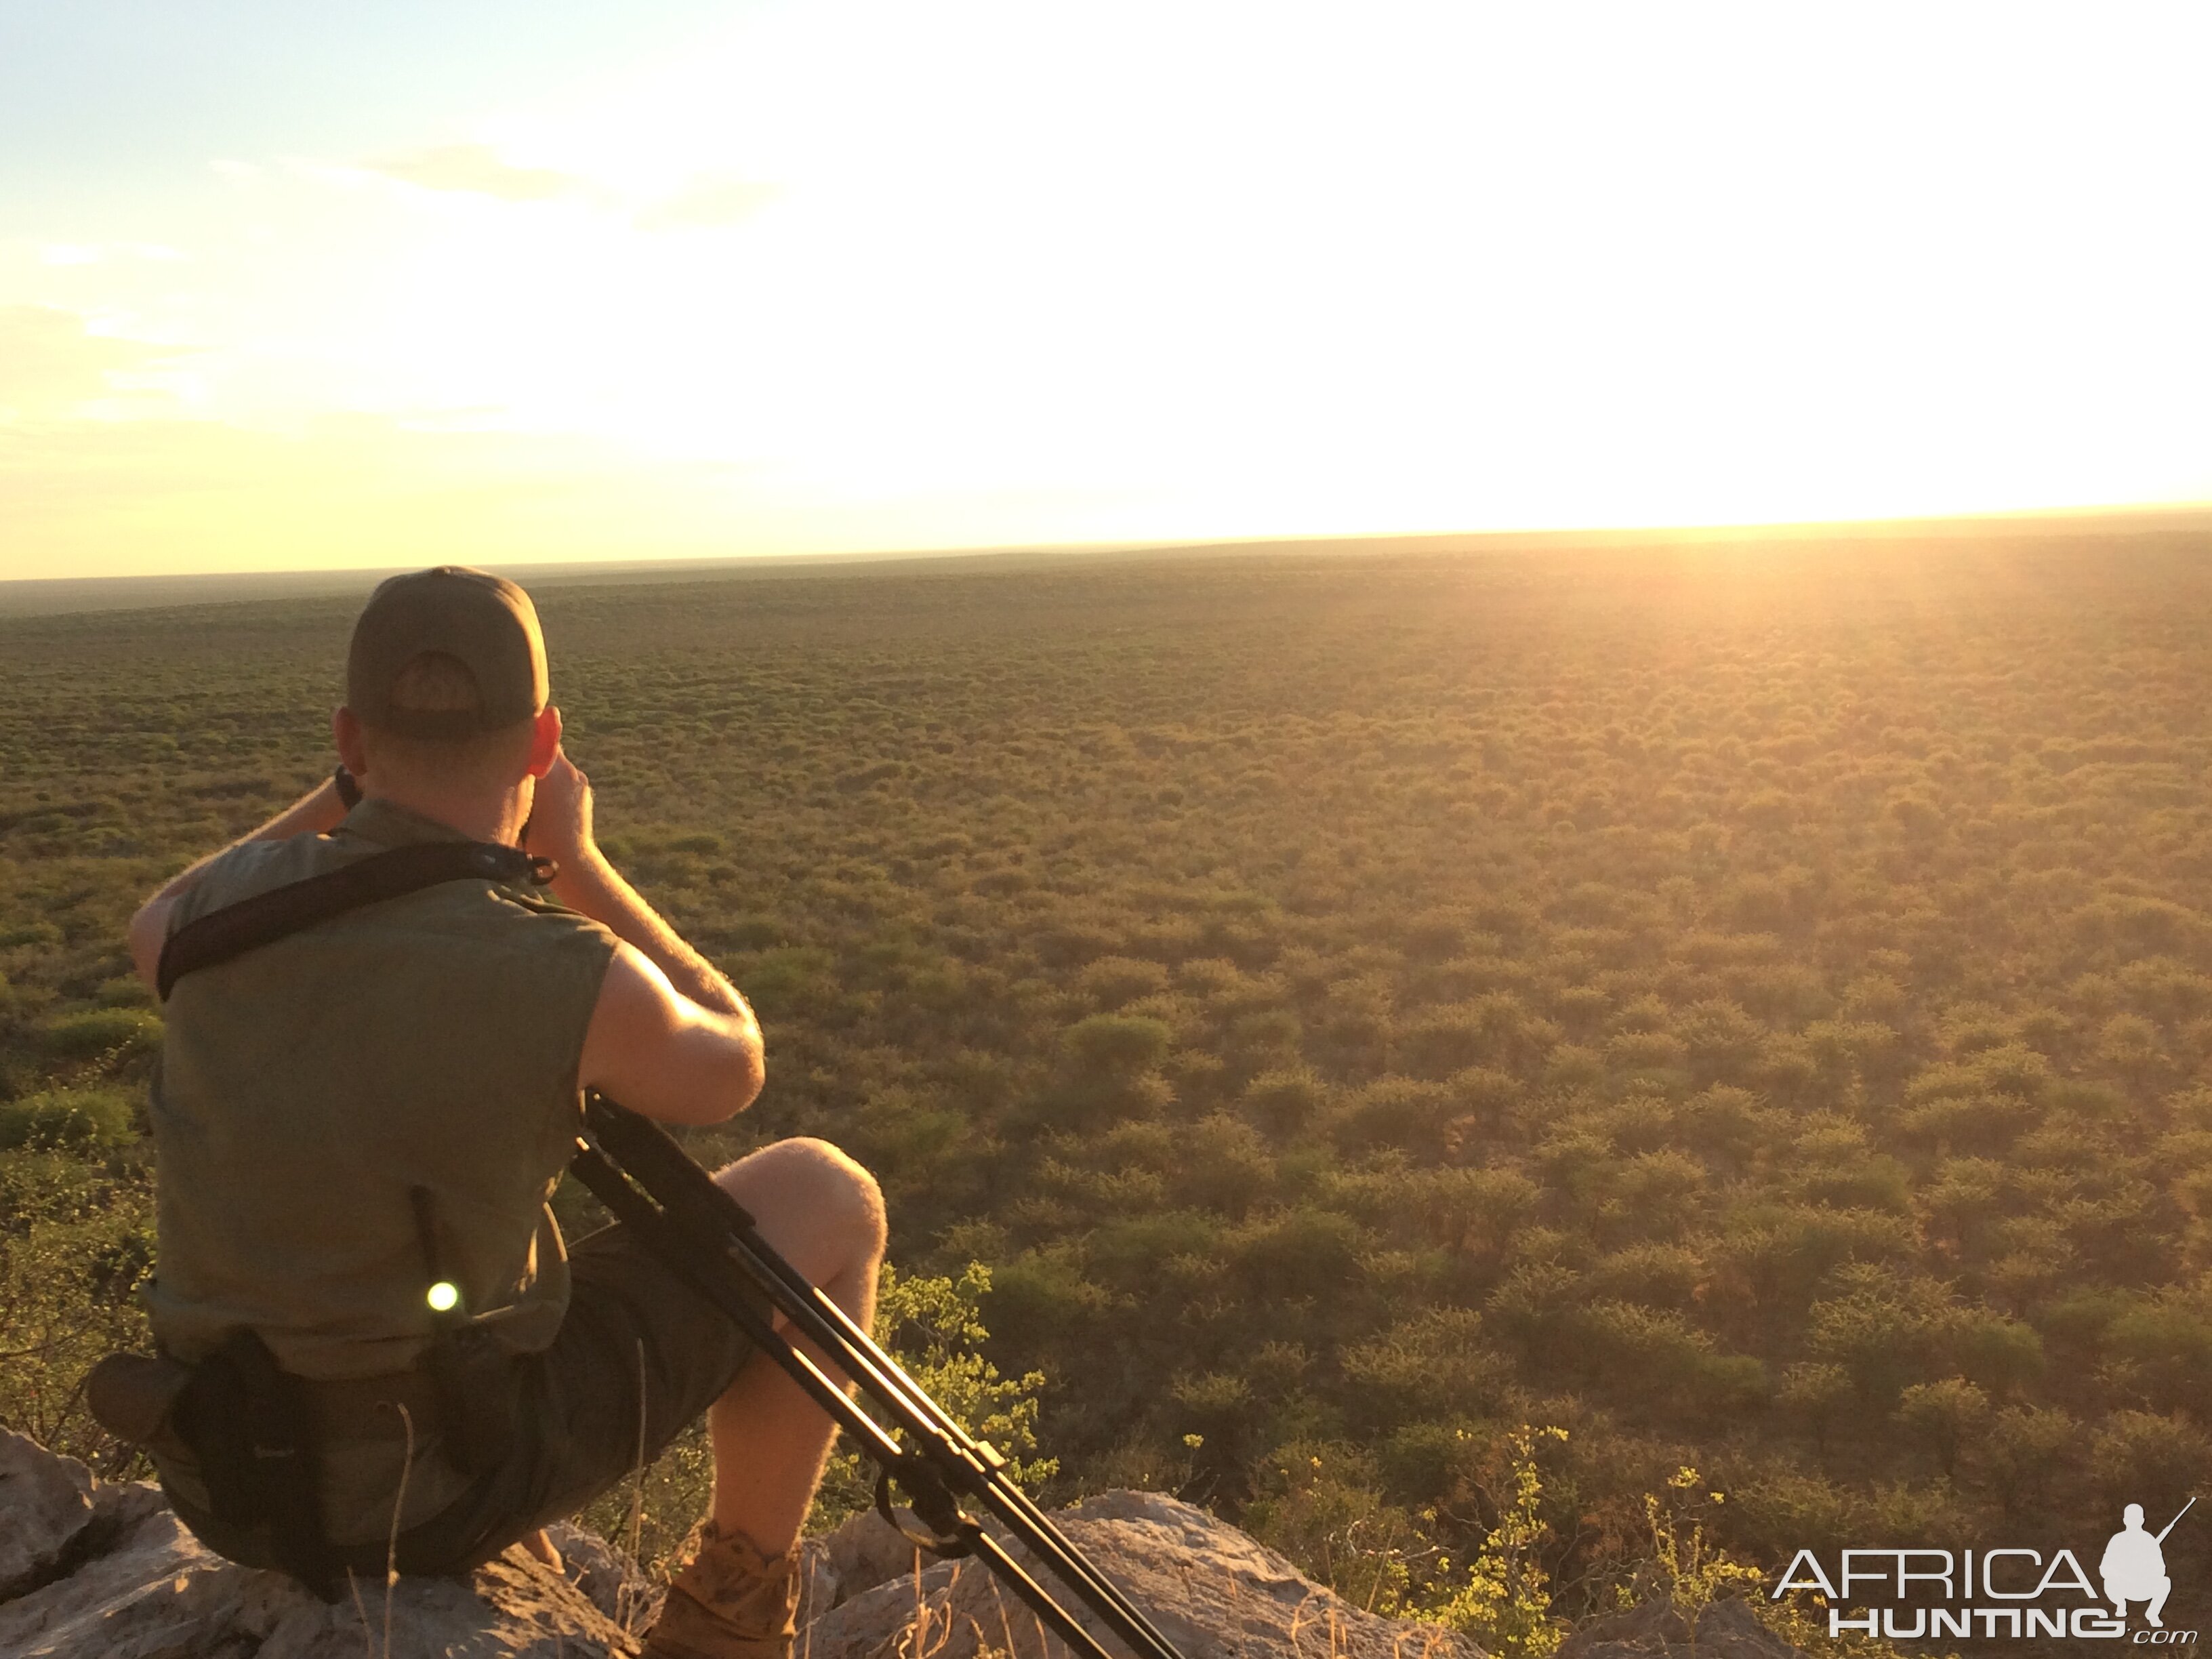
<point>848,1192</point>
<point>825,1185</point>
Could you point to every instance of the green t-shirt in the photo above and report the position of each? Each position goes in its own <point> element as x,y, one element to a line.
<point>306,1086</point>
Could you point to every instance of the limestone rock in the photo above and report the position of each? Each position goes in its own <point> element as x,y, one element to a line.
<point>1724,1630</point>
<point>143,1588</point>
<point>819,1587</point>
<point>863,1552</point>
<point>107,1571</point>
<point>45,1504</point>
<point>1213,1591</point>
<point>606,1576</point>
<point>878,1619</point>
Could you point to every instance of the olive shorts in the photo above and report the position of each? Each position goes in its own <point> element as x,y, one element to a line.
<point>579,1414</point>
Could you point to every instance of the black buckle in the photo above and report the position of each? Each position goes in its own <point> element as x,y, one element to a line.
<point>942,1528</point>
<point>512,864</point>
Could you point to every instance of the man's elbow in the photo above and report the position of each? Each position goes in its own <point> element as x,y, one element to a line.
<point>738,1081</point>
<point>751,1074</point>
<point>145,936</point>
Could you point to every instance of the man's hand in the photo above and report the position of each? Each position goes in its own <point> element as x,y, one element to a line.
<point>669,1037</point>
<point>560,829</point>
<point>560,826</point>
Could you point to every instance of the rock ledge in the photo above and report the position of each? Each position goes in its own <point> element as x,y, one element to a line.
<point>95,1571</point>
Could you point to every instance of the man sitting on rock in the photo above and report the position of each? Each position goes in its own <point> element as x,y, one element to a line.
<point>358,1126</point>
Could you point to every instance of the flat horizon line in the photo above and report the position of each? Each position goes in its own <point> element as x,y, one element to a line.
<point>24,596</point>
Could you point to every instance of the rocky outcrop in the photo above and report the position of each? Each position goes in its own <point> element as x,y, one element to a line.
<point>46,1505</point>
<point>1213,1591</point>
<point>96,1570</point>
<point>113,1575</point>
<point>1724,1630</point>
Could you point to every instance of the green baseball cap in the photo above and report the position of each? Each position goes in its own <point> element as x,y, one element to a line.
<point>485,622</point>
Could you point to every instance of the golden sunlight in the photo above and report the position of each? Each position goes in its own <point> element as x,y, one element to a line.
<point>863,274</point>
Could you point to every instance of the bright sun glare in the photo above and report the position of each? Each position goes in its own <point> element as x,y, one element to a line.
<point>869,275</point>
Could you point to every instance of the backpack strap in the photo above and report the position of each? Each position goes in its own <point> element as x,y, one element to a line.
<point>267,917</point>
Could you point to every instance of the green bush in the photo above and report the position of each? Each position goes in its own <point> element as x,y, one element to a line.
<point>1282,1101</point>
<point>1395,1111</point>
<point>96,1031</point>
<point>80,1119</point>
<point>75,1242</point>
<point>1115,1045</point>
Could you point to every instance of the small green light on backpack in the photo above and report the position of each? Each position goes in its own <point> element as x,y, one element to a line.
<point>444,1297</point>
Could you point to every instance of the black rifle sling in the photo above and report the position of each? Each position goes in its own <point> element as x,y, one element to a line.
<point>267,917</point>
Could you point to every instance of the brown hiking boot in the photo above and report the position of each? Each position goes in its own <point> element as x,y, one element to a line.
<point>731,1603</point>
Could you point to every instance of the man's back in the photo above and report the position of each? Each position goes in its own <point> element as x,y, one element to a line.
<point>344,1111</point>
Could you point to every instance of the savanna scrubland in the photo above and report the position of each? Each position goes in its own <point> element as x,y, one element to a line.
<point>1747,1007</point>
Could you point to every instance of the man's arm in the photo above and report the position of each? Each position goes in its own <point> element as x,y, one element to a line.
<point>316,812</point>
<point>664,1055</point>
<point>671,1037</point>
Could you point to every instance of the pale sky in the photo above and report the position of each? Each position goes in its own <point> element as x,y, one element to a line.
<point>288,286</point>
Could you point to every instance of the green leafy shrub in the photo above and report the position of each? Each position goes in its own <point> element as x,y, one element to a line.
<point>1116,1045</point>
<point>76,1241</point>
<point>79,1119</point>
<point>94,1032</point>
<point>1504,1601</point>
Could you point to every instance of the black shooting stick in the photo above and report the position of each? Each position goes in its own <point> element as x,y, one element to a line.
<point>678,1212</point>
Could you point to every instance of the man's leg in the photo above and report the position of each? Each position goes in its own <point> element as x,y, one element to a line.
<point>2158,1604</point>
<point>822,1214</point>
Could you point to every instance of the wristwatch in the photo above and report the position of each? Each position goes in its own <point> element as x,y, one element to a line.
<point>348,791</point>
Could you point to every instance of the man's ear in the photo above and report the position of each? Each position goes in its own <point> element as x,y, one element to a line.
<point>545,741</point>
<point>345,729</point>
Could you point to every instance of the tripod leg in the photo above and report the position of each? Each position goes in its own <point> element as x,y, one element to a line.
<point>823,1212</point>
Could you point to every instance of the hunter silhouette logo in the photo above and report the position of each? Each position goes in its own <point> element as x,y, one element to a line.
<point>2003,1592</point>
<point>2134,1567</point>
